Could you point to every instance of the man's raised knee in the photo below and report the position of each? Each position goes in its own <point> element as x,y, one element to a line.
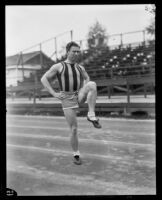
<point>92,85</point>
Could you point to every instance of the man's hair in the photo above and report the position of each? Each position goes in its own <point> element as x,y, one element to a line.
<point>71,44</point>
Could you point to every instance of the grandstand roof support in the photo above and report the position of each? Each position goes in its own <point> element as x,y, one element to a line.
<point>35,89</point>
<point>71,34</point>
<point>144,34</point>
<point>41,59</point>
<point>18,61</point>
<point>121,39</point>
<point>81,44</point>
<point>55,47</point>
<point>21,54</point>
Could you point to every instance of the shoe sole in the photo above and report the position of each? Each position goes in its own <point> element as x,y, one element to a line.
<point>93,123</point>
<point>77,162</point>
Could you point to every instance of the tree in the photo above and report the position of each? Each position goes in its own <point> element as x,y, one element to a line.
<point>151,8</point>
<point>97,36</point>
<point>151,27</point>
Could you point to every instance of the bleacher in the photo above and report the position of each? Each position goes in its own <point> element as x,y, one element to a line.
<point>123,61</point>
<point>106,63</point>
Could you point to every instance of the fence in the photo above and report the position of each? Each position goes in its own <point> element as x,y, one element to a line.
<point>55,47</point>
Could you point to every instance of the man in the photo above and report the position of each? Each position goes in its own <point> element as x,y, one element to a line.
<point>76,88</point>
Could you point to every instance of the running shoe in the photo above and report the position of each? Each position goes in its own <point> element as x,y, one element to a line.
<point>95,123</point>
<point>77,160</point>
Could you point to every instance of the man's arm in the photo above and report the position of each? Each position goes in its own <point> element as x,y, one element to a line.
<point>46,78</point>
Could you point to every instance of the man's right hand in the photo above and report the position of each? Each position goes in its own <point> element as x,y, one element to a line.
<point>58,95</point>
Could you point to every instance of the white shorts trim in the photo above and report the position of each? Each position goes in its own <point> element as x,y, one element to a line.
<point>71,107</point>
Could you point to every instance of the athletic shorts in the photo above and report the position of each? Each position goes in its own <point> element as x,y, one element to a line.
<point>69,100</point>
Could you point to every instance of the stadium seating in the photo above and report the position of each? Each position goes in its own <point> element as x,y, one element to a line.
<point>120,61</point>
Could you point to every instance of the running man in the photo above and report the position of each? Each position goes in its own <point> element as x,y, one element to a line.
<point>76,88</point>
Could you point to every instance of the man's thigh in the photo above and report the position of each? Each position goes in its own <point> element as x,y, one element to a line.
<point>82,95</point>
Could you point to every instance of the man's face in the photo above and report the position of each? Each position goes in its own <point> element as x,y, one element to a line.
<point>73,54</point>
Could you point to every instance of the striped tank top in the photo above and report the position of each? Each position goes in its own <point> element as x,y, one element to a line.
<point>70,78</point>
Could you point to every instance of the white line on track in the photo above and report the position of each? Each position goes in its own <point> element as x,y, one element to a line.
<point>83,130</point>
<point>56,121</point>
<point>46,128</point>
<point>86,183</point>
<point>37,127</point>
<point>90,141</point>
<point>61,152</point>
<point>79,118</point>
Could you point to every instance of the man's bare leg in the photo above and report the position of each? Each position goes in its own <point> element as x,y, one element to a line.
<point>70,115</point>
<point>89,92</point>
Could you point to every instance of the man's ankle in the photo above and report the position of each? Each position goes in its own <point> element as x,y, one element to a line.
<point>91,114</point>
<point>76,153</point>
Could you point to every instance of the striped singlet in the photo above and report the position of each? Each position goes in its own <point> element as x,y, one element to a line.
<point>70,78</point>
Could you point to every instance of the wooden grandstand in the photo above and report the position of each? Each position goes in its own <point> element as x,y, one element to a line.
<point>123,69</point>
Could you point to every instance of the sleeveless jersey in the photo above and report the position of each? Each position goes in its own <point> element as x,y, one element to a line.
<point>70,78</point>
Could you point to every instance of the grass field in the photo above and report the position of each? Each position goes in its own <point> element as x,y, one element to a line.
<point>118,159</point>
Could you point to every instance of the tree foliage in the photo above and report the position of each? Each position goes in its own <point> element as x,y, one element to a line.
<point>151,8</point>
<point>151,27</point>
<point>97,36</point>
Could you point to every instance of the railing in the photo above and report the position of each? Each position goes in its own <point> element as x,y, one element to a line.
<point>122,72</point>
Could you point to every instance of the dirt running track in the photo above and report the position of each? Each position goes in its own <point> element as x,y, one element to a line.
<point>118,159</point>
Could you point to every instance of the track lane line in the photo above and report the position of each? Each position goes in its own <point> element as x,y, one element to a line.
<point>90,141</point>
<point>83,130</point>
<point>88,155</point>
<point>79,118</point>
<point>46,128</point>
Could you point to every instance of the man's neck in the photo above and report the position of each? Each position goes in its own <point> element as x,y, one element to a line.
<point>68,61</point>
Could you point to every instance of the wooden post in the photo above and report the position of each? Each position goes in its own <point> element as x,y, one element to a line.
<point>56,47</point>
<point>35,90</point>
<point>128,94</point>
<point>108,41</point>
<point>121,39</point>
<point>22,64</point>
<point>18,63</point>
<point>111,73</point>
<point>41,58</point>
<point>145,90</point>
<point>143,36</point>
<point>152,88</point>
<point>128,97</point>
<point>112,90</point>
<point>71,35</point>
<point>81,45</point>
<point>34,100</point>
<point>109,91</point>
